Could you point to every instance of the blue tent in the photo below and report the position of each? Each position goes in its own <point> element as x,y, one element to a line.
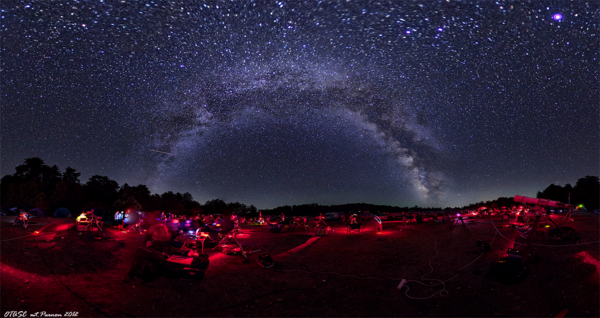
<point>36,212</point>
<point>62,213</point>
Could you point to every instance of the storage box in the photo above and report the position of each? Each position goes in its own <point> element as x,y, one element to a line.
<point>322,232</point>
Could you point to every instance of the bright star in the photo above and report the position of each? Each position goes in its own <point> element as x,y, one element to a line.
<point>557,17</point>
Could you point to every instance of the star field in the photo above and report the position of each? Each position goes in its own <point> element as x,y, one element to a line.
<point>432,103</point>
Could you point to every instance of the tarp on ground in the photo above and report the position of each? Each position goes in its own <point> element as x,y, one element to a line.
<point>62,213</point>
<point>36,212</point>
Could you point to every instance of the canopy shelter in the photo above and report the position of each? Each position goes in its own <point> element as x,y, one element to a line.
<point>62,213</point>
<point>36,212</point>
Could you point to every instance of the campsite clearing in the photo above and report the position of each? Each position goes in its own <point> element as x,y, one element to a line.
<point>338,275</point>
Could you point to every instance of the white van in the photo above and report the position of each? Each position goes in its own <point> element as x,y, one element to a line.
<point>330,216</point>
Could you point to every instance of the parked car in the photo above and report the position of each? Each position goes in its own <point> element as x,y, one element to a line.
<point>382,216</point>
<point>370,216</point>
<point>394,216</point>
<point>330,216</point>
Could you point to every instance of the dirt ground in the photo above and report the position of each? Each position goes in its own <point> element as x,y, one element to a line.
<point>60,273</point>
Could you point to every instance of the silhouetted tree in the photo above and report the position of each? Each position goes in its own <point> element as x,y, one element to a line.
<point>41,202</point>
<point>190,206</point>
<point>34,169</point>
<point>67,194</point>
<point>556,193</point>
<point>71,175</point>
<point>127,203</point>
<point>100,192</point>
<point>140,193</point>
<point>587,192</point>
<point>26,194</point>
<point>252,210</point>
<point>171,203</point>
<point>215,206</point>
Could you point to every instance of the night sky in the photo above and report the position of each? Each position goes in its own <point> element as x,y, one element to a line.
<point>430,103</point>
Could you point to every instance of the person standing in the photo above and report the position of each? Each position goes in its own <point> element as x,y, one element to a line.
<point>158,236</point>
<point>119,216</point>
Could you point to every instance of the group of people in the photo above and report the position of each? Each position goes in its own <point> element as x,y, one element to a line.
<point>163,230</point>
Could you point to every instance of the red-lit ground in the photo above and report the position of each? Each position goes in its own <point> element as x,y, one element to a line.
<point>59,271</point>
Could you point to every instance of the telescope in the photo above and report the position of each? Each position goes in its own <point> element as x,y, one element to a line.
<point>540,202</point>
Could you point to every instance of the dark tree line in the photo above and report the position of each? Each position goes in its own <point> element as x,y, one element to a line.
<point>586,192</point>
<point>37,185</point>
<point>493,204</point>
<point>314,209</point>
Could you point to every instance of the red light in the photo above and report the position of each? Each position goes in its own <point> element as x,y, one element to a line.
<point>589,259</point>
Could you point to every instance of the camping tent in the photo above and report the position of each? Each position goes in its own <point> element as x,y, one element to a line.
<point>62,213</point>
<point>13,211</point>
<point>36,212</point>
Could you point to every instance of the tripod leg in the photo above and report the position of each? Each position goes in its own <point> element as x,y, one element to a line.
<point>240,246</point>
<point>100,229</point>
<point>467,231</point>
<point>452,231</point>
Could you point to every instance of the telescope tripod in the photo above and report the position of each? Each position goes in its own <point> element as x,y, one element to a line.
<point>90,226</point>
<point>231,238</point>
<point>464,227</point>
<point>24,220</point>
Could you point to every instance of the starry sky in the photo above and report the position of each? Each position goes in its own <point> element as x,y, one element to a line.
<point>430,103</point>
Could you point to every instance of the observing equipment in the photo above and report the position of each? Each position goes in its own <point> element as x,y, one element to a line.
<point>229,237</point>
<point>134,221</point>
<point>202,237</point>
<point>321,227</point>
<point>82,218</point>
<point>512,268</point>
<point>540,202</point>
<point>92,221</point>
<point>22,218</point>
<point>464,227</point>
